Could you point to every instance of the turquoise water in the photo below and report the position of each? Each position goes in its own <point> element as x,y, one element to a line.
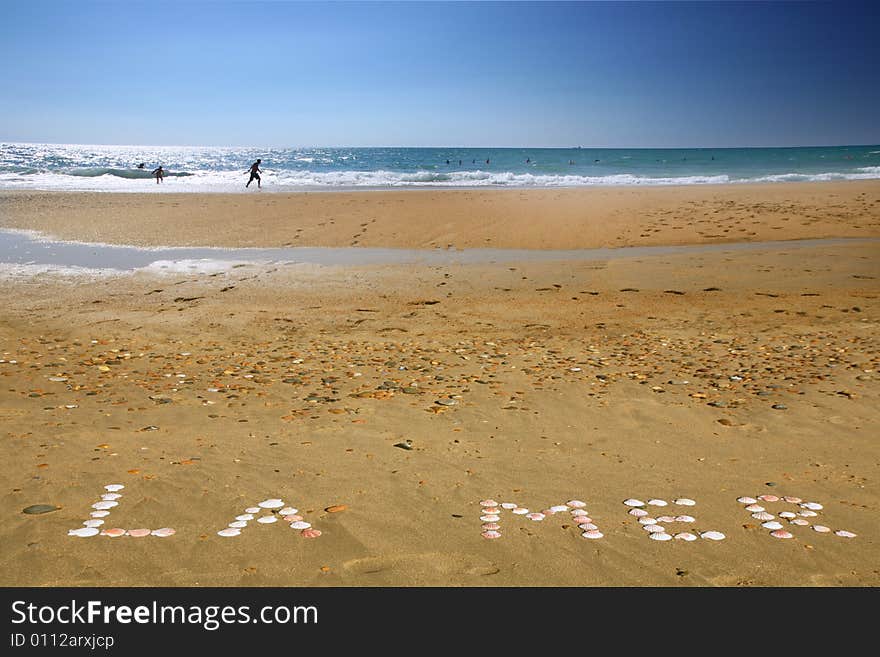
<point>198,169</point>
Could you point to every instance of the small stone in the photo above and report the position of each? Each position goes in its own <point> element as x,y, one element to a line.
<point>406,444</point>
<point>37,509</point>
<point>780,407</point>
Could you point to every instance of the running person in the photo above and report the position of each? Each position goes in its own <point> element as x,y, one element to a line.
<point>255,172</point>
<point>159,173</point>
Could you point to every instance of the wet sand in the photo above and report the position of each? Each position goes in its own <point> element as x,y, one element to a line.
<point>709,376</point>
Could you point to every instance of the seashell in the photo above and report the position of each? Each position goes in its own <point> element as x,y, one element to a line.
<point>245,516</point>
<point>587,526</point>
<point>508,505</point>
<point>845,534</point>
<point>110,496</point>
<point>83,532</point>
<point>520,511</point>
<point>633,502</point>
<point>231,531</point>
<point>138,533</point>
<point>286,511</point>
<point>799,521</point>
<point>93,523</point>
<point>548,512</point>
<point>310,533</point>
<point>665,519</point>
<point>712,536</point>
<point>660,536</point>
<point>685,536</point>
<point>656,502</point>
<point>771,524</point>
<point>490,526</point>
<point>164,532</point>
<point>114,487</point>
<point>638,513</point>
<point>583,519</point>
<point>576,504</point>
<point>792,500</point>
<point>807,514</point>
<point>755,508</point>
<point>271,504</point>
<point>763,515</point>
<point>253,509</point>
<point>647,520</point>
<point>492,510</point>
<point>104,505</point>
<point>812,506</point>
<point>822,529</point>
<point>537,517</point>
<point>787,514</point>
<point>491,534</point>
<point>578,512</point>
<point>488,503</point>
<point>238,524</point>
<point>746,500</point>
<point>592,533</point>
<point>267,520</point>
<point>490,518</point>
<point>558,508</point>
<point>768,498</point>
<point>292,518</point>
<point>99,514</point>
<point>684,501</point>
<point>115,532</point>
<point>300,524</point>
<point>781,533</point>
<point>653,529</point>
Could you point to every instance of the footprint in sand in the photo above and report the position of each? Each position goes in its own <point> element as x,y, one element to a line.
<point>420,565</point>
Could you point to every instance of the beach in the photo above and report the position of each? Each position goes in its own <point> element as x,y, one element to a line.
<point>385,402</point>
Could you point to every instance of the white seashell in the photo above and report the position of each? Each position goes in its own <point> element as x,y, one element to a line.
<point>558,508</point>
<point>578,512</point>
<point>712,536</point>
<point>549,512</point>
<point>253,509</point>
<point>110,496</point>
<point>286,511</point>
<point>238,524</point>
<point>106,504</point>
<point>763,515</point>
<point>781,533</point>
<point>653,529</point>
<point>685,519</point>
<point>656,502</point>
<point>491,510</point>
<point>787,514</point>
<point>792,500</point>
<point>300,524</point>
<point>491,517</point>
<point>576,504</point>
<point>267,520</point>
<point>93,523</point>
<point>164,532</point>
<point>633,502</point>
<point>800,521</point>
<point>684,501</point>
<point>83,532</point>
<point>812,506</point>
<point>245,516</point>
<point>746,500</point>
<point>647,520</point>
<point>508,505</point>
<point>665,519</point>
<point>807,514</point>
<point>271,504</point>
<point>587,526</point>
<point>685,536</point>
<point>660,536</point>
<point>755,508</point>
<point>582,519</point>
<point>229,532</point>
<point>845,534</point>
<point>537,517</point>
<point>113,487</point>
<point>638,513</point>
<point>768,498</point>
<point>593,533</point>
<point>520,511</point>
<point>822,529</point>
<point>99,514</point>
<point>491,534</point>
<point>488,503</point>
<point>771,524</point>
<point>490,526</point>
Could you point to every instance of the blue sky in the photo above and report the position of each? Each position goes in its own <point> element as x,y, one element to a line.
<point>440,74</point>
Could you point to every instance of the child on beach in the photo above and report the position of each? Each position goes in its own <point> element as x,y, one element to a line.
<point>159,173</point>
<point>255,174</point>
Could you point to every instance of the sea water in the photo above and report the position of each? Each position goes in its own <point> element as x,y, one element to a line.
<point>224,169</point>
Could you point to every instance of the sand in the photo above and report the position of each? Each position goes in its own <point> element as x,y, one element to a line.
<point>645,377</point>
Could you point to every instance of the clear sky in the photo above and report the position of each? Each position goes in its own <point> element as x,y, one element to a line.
<point>440,74</point>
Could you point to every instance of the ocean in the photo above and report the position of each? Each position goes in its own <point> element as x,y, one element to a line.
<point>223,169</point>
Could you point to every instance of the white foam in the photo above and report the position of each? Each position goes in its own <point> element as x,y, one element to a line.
<point>202,266</point>
<point>11,271</point>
